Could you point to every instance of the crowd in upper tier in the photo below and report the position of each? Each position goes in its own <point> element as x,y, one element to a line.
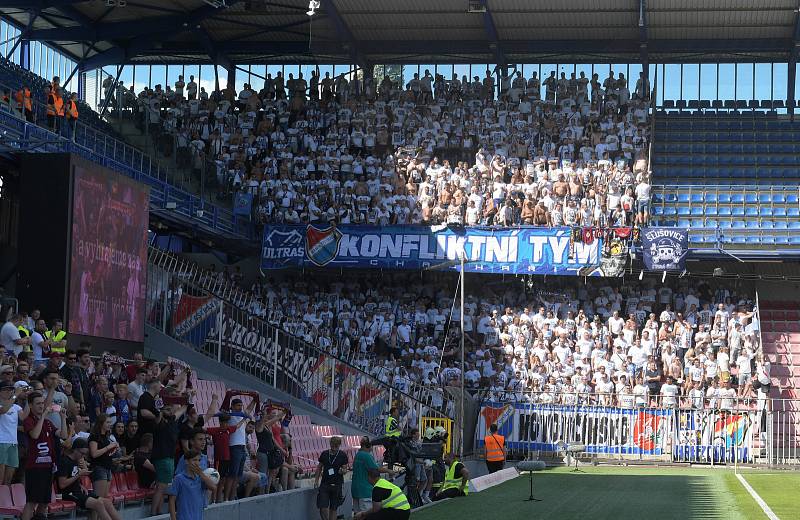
<point>563,151</point>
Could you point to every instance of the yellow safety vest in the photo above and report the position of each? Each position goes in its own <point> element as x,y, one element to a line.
<point>60,335</point>
<point>451,481</point>
<point>391,427</point>
<point>396,500</point>
<point>23,332</point>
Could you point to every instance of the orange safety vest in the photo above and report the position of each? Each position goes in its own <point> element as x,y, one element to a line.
<point>57,108</point>
<point>72,110</point>
<point>494,447</point>
<point>23,97</point>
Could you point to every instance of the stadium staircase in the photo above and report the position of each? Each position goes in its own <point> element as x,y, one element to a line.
<point>730,178</point>
<point>780,333</point>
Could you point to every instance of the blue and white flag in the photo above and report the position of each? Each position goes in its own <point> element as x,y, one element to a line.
<point>664,249</point>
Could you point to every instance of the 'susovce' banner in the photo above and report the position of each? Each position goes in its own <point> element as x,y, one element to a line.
<point>604,430</point>
<point>526,250</point>
<point>664,249</point>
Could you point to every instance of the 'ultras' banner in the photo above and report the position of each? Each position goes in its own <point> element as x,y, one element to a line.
<point>664,249</point>
<point>714,436</point>
<point>526,250</point>
<point>602,429</point>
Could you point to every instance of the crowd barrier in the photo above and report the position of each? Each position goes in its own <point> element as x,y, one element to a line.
<point>744,432</point>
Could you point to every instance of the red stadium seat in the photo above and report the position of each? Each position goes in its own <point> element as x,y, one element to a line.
<point>7,506</point>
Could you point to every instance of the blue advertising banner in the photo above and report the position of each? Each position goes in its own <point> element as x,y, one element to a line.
<point>526,250</point>
<point>664,249</point>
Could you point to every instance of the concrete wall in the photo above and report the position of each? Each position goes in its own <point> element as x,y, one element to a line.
<point>299,504</point>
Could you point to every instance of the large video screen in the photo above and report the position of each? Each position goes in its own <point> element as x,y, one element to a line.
<point>108,268</point>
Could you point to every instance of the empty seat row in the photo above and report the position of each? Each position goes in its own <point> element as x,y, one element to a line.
<point>725,211</point>
<point>726,160</point>
<point>721,122</point>
<point>666,147</point>
<point>754,239</point>
<point>711,223</point>
<point>782,197</point>
<point>752,174</point>
<point>668,136</point>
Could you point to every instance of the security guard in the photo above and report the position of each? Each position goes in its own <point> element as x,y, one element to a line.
<point>393,423</point>
<point>56,338</point>
<point>392,433</point>
<point>388,500</point>
<point>494,446</point>
<point>456,479</point>
<point>55,107</point>
<point>25,103</point>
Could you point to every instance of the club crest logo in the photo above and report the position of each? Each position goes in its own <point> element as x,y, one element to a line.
<point>322,245</point>
<point>666,250</point>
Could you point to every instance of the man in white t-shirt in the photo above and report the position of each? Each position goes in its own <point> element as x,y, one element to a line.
<point>11,415</point>
<point>10,339</point>
<point>669,393</point>
<point>727,396</point>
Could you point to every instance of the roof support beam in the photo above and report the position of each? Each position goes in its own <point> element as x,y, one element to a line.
<point>492,36</point>
<point>38,4</point>
<point>644,58</point>
<point>152,34</point>
<point>344,33</point>
<point>791,77</point>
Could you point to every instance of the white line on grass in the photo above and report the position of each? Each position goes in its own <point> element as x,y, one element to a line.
<point>758,499</point>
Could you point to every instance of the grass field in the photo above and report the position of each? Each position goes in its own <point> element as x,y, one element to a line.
<point>622,493</point>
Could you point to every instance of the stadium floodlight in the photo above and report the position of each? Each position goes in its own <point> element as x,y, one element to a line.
<point>313,5</point>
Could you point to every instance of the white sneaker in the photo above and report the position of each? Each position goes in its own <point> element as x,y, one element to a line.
<point>426,500</point>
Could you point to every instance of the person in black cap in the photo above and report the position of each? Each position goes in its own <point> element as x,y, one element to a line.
<point>71,468</point>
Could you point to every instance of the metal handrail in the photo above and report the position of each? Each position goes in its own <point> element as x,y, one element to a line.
<point>103,149</point>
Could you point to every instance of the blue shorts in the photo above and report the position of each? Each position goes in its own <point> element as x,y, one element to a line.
<point>642,206</point>
<point>238,458</point>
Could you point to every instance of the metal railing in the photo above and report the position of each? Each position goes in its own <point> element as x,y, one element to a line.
<point>22,136</point>
<point>223,331</point>
<point>761,432</point>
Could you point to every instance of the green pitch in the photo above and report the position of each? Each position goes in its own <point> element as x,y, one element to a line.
<point>621,493</point>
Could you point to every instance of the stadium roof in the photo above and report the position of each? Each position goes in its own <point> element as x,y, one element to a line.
<point>411,31</point>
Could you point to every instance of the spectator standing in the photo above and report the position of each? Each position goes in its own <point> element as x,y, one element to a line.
<point>102,450</point>
<point>187,497</point>
<point>145,471</point>
<point>329,478</point>
<point>165,440</point>
<point>148,405</point>
<point>11,415</point>
<point>361,487</point>
<point>238,440</point>
<point>43,438</point>
<point>10,337</point>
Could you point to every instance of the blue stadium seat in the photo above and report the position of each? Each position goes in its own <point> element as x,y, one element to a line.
<point>697,211</point>
<point>781,239</point>
<point>765,211</point>
<point>683,211</point>
<point>737,211</point>
<point>725,224</point>
<point>658,210</point>
<point>658,198</point>
<point>738,224</point>
<point>711,223</point>
<point>711,197</point>
<point>697,197</point>
<point>751,198</point>
<point>724,198</point>
<point>670,211</point>
<point>794,225</point>
<point>793,212</point>
<point>792,199</point>
<point>738,239</point>
<point>725,211</point>
<point>779,212</point>
<point>778,198</point>
<point>794,240</point>
<point>737,198</point>
<point>780,224</point>
<point>767,239</point>
<point>751,211</point>
<point>752,224</point>
<point>684,223</point>
<point>683,197</point>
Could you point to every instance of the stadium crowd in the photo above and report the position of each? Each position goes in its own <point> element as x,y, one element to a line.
<point>74,421</point>
<point>563,151</point>
<point>645,343</point>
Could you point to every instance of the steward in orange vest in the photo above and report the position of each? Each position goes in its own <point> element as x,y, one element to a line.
<point>25,103</point>
<point>494,446</point>
<point>55,108</point>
